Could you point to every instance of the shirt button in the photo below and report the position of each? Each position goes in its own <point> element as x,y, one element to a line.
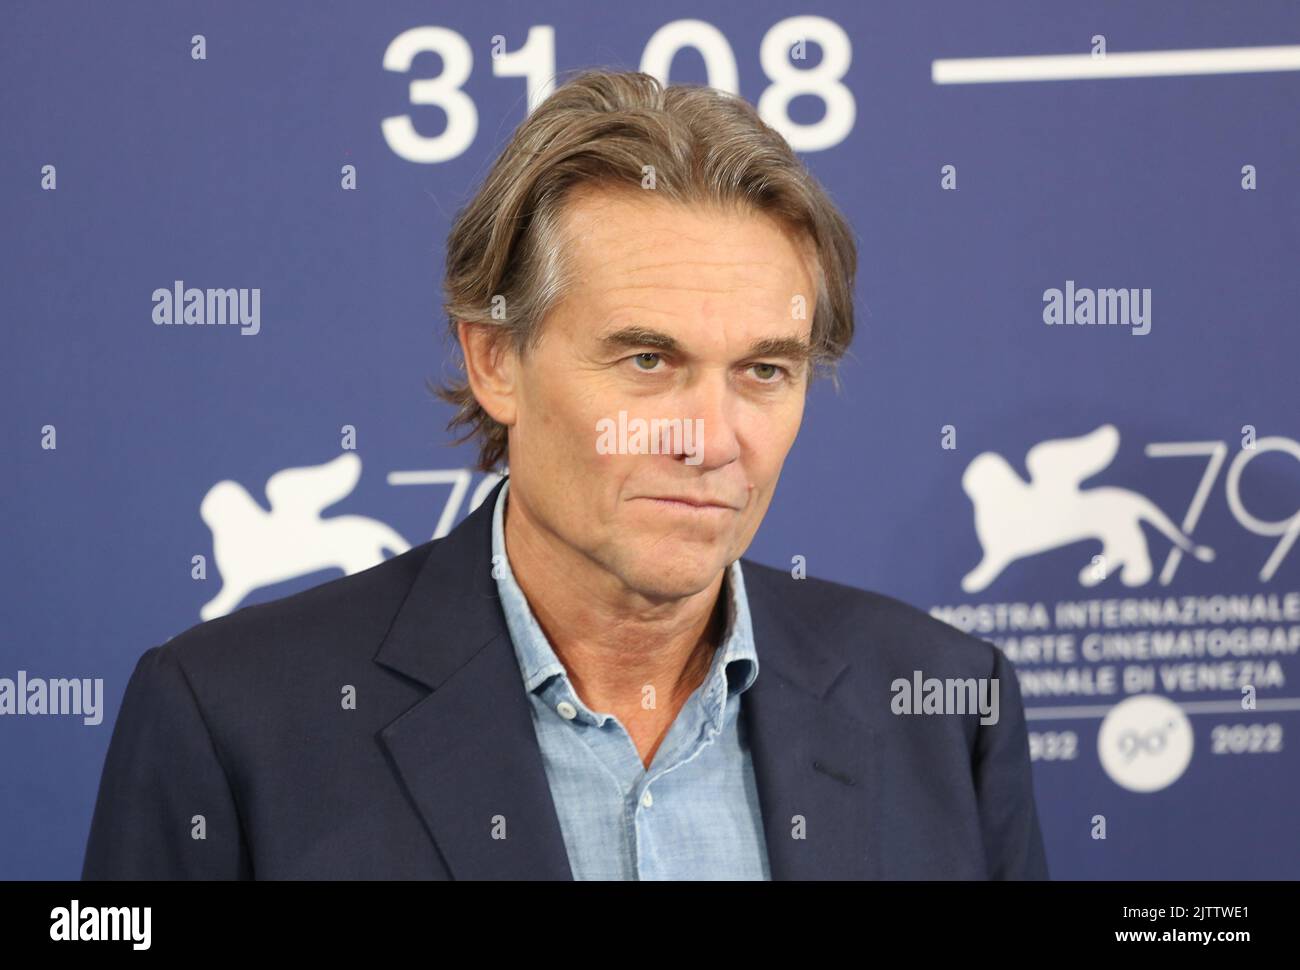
<point>566,710</point>
<point>647,799</point>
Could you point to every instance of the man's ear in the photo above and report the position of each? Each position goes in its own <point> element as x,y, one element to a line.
<point>491,365</point>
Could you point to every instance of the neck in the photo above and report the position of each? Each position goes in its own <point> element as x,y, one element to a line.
<point>613,641</point>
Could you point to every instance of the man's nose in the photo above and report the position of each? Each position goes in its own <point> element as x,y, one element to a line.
<point>709,410</point>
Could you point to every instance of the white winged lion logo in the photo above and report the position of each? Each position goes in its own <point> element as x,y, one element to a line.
<point>254,548</point>
<point>1015,518</point>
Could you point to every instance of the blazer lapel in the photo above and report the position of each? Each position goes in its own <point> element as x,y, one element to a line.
<point>467,753</point>
<point>816,766</point>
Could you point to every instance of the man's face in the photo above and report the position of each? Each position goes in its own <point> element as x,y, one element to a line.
<point>674,313</point>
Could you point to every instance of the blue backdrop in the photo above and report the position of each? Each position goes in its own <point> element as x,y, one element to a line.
<point>284,149</point>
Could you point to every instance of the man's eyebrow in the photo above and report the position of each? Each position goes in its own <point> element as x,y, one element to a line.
<point>639,337</point>
<point>791,348</point>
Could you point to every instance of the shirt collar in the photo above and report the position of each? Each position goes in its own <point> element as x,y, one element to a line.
<point>735,660</point>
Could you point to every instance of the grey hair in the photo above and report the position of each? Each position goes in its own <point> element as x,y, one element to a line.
<point>506,251</point>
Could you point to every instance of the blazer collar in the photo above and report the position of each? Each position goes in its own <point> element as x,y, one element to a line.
<point>468,753</point>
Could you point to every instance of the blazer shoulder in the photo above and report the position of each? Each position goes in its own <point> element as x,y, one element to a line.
<point>351,612</point>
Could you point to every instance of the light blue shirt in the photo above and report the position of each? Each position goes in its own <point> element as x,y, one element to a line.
<point>694,813</point>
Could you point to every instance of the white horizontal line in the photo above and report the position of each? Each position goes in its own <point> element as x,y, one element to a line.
<point>426,477</point>
<point>1188,707</point>
<point>1071,67</point>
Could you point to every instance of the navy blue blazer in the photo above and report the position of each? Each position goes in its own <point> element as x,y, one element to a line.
<point>236,730</point>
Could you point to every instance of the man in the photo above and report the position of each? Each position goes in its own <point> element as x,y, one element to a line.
<point>585,679</point>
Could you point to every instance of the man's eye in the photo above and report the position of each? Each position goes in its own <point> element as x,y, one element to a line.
<point>646,361</point>
<point>768,373</point>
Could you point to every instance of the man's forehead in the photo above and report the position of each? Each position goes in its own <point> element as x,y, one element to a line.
<point>623,241</point>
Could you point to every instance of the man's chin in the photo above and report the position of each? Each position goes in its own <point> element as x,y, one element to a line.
<point>672,578</point>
